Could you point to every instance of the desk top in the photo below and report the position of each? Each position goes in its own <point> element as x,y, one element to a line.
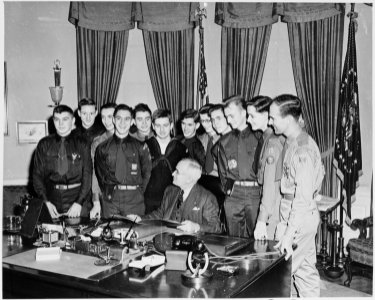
<point>257,259</point>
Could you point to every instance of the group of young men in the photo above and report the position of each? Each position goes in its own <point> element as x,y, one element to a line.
<point>208,182</point>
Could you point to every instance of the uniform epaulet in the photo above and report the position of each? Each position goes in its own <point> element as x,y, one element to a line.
<point>303,139</point>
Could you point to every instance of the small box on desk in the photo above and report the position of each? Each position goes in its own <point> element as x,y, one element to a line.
<point>176,260</point>
<point>51,253</point>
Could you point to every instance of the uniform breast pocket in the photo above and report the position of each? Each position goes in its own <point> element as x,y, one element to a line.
<point>51,161</point>
<point>75,162</point>
<point>133,164</point>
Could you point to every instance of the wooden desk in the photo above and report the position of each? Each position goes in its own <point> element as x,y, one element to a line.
<point>269,276</point>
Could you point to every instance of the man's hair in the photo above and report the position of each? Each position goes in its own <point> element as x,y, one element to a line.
<point>260,103</point>
<point>195,169</point>
<point>86,101</point>
<point>108,105</point>
<point>204,110</point>
<point>161,113</point>
<point>289,105</point>
<point>190,113</point>
<point>62,108</point>
<point>215,108</point>
<point>141,107</point>
<point>237,100</point>
<point>123,107</point>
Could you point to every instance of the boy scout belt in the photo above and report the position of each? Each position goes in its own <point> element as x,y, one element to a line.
<point>246,183</point>
<point>66,186</point>
<point>290,197</point>
<point>124,187</point>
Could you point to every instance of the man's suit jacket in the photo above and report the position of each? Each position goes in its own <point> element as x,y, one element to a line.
<point>199,207</point>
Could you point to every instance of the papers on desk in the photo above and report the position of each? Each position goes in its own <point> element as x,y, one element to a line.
<point>151,261</point>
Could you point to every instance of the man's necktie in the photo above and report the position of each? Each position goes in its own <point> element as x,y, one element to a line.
<point>62,161</point>
<point>120,163</point>
<point>180,199</point>
<point>209,163</point>
<point>243,159</point>
<point>258,152</point>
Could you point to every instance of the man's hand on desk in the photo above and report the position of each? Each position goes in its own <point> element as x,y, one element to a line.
<point>74,211</point>
<point>189,226</point>
<point>134,217</point>
<point>52,210</point>
<point>260,232</point>
<point>285,245</point>
<point>95,211</point>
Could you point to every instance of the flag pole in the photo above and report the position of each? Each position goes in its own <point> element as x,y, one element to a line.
<point>202,77</point>
<point>347,155</point>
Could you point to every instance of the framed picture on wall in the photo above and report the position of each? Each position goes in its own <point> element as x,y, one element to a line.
<point>30,132</point>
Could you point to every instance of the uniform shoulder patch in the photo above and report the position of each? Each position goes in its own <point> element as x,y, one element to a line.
<point>270,160</point>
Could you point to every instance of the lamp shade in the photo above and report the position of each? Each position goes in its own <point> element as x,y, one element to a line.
<point>56,94</point>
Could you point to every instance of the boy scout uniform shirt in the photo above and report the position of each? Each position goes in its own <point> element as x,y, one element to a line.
<point>45,174</point>
<point>195,149</point>
<point>95,143</point>
<point>269,157</point>
<point>141,138</point>
<point>204,138</point>
<point>137,164</point>
<point>89,134</point>
<point>163,165</point>
<point>302,176</point>
<point>235,156</point>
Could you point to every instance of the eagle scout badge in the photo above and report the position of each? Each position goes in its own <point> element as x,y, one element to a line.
<point>232,164</point>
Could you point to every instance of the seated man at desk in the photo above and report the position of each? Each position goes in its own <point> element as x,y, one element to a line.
<point>63,168</point>
<point>187,202</point>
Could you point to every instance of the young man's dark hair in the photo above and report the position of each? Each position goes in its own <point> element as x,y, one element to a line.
<point>141,107</point>
<point>161,113</point>
<point>108,105</point>
<point>62,108</point>
<point>190,113</point>
<point>123,107</point>
<point>86,101</point>
<point>204,110</point>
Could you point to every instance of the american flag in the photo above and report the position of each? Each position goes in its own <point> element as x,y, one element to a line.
<point>202,76</point>
<point>348,153</point>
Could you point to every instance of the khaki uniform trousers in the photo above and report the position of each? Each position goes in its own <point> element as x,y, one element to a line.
<point>305,274</point>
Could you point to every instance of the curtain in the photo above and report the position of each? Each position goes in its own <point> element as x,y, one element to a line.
<point>168,35</point>
<point>170,61</point>
<point>102,33</point>
<point>245,35</point>
<point>100,63</point>
<point>243,57</point>
<point>316,51</point>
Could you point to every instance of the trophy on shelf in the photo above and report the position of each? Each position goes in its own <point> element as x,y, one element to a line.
<point>57,90</point>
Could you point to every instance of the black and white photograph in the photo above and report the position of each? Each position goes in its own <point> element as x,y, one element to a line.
<point>171,149</point>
